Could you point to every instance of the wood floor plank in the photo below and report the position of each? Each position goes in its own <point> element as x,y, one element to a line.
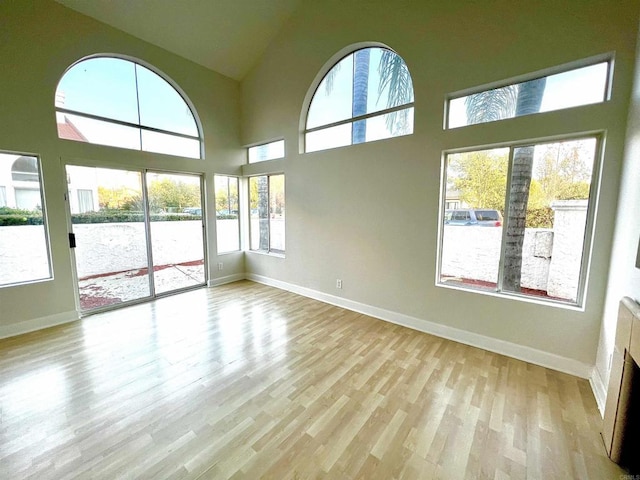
<point>246,381</point>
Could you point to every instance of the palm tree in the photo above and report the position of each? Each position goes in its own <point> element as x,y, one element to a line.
<point>394,75</point>
<point>515,100</point>
<point>360,94</point>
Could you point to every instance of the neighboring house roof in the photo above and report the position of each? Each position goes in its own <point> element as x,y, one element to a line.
<point>69,131</point>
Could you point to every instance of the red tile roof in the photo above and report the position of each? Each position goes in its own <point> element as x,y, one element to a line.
<point>69,131</point>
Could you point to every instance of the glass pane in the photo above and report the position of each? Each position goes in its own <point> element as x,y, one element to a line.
<point>170,144</point>
<point>267,151</point>
<point>111,251</point>
<point>227,219</point>
<point>547,218</point>
<point>100,86</point>
<point>259,213</point>
<point>472,233</point>
<point>81,129</point>
<point>576,87</point>
<point>366,81</point>
<point>328,138</point>
<point>161,106</point>
<point>389,80</point>
<point>24,250</point>
<point>276,213</point>
<point>333,98</point>
<point>389,125</point>
<point>177,244</point>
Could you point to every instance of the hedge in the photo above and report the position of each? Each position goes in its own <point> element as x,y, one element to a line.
<point>13,217</point>
<point>124,217</point>
<point>17,219</point>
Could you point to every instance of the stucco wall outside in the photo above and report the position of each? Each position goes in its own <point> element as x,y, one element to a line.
<point>551,259</point>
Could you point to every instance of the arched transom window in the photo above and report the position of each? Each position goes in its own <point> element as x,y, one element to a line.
<point>118,102</point>
<point>366,96</point>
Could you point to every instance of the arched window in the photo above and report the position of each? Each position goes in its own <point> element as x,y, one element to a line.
<point>366,96</point>
<point>25,169</point>
<point>117,102</point>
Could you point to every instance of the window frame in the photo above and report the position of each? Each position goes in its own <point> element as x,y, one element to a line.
<point>138,126</point>
<point>269,250</point>
<point>313,89</point>
<point>239,219</point>
<point>608,58</point>
<point>590,223</point>
<point>264,144</point>
<point>45,222</point>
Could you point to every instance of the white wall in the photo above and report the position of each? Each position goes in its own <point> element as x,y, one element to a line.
<point>39,39</point>
<point>368,214</point>
<point>624,277</point>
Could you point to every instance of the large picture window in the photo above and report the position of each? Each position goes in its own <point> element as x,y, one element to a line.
<point>366,96</point>
<point>266,199</point>
<point>227,213</point>
<point>521,224</point>
<point>120,103</point>
<point>24,246</point>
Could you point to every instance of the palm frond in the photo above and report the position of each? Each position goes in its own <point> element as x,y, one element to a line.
<point>491,105</point>
<point>395,76</point>
<point>330,78</point>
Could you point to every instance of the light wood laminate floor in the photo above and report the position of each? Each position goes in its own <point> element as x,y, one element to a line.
<point>247,381</point>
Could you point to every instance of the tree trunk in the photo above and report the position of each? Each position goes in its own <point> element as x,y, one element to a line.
<point>360,94</point>
<point>529,100</point>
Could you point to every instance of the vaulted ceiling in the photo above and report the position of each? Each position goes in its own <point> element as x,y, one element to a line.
<point>227,36</point>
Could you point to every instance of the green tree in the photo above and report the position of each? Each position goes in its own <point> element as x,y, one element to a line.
<point>167,195</point>
<point>116,198</point>
<point>563,172</point>
<point>480,178</point>
<point>227,196</point>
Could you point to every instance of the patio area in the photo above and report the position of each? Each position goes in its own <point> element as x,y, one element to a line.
<point>97,291</point>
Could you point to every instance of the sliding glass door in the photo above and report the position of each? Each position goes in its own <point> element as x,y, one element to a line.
<point>135,234</point>
<point>177,247</point>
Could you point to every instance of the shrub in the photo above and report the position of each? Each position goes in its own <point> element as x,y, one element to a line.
<point>16,216</point>
<point>539,218</point>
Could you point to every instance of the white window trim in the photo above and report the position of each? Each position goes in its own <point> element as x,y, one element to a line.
<point>590,225</point>
<point>608,57</point>
<point>313,88</point>
<point>178,90</point>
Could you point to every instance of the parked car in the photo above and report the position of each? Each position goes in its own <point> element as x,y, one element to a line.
<point>470,216</point>
<point>192,211</point>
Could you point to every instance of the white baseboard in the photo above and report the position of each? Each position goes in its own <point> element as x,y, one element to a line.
<point>599,389</point>
<point>32,325</point>
<point>513,350</point>
<point>214,282</point>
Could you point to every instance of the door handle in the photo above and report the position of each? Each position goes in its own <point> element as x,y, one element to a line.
<point>72,240</point>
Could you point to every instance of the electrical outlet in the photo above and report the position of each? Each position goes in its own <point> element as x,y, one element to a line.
<point>220,265</point>
<point>338,283</point>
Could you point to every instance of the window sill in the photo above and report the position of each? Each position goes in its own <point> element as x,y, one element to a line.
<point>268,254</point>
<point>516,297</point>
